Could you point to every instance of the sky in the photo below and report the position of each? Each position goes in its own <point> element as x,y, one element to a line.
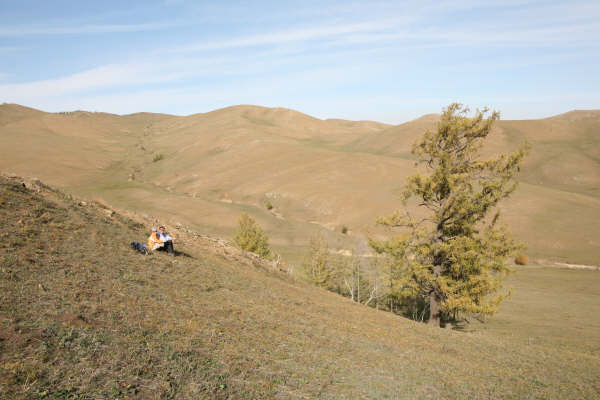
<point>388,61</point>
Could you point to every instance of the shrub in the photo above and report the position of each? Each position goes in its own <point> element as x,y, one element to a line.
<point>158,157</point>
<point>269,205</point>
<point>521,259</point>
<point>344,229</point>
<point>250,237</point>
<point>317,262</point>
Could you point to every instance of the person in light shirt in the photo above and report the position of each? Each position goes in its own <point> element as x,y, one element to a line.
<point>167,241</point>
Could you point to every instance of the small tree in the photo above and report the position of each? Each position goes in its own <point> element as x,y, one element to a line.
<point>318,262</point>
<point>250,237</point>
<point>402,294</point>
<point>457,254</point>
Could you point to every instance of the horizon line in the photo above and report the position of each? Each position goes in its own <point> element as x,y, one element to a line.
<point>273,108</point>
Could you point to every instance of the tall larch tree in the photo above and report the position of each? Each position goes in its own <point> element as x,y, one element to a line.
<point>457,253</point>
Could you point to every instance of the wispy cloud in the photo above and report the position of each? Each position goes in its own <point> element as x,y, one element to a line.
<point>293,35</point>
<point>152,71</point>
<point>16,31</point>
<point>410,31</point>
<point>101,77</point>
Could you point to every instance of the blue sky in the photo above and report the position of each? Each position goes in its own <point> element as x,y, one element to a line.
<point>388,61</point>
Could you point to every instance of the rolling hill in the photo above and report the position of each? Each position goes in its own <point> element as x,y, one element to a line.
<point>205,169</point>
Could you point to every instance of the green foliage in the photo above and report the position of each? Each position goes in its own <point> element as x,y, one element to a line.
<point>317,263</point>
<point>397,291</point>
<point>344,229</point>
<point>158,157</point>
<point>521,259</point>
<point>349,274</point>
<point>456,254</point>
<point>342,274</point>
<point>250,237</point>
<point>268,205</point>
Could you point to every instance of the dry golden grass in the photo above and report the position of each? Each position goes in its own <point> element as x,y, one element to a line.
<point>219,164</point>
<point>83,316</point>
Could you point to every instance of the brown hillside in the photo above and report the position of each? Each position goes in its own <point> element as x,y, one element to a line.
<point>84,316</point>
<point>14,112</point>
<point>576,115</point>
<point>205,169</point>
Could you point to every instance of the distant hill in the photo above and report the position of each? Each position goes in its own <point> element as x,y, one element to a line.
<point>84,316</point>
<point>205,169</point>
<point>577,115</point>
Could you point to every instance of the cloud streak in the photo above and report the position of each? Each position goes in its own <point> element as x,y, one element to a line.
<point>18,31</point>
<point>288,36</point>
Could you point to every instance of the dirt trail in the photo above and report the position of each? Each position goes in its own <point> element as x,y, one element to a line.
<point>577,266</point>
<point>556,264</point>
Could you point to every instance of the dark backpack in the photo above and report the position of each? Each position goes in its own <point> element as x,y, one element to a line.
<point>139,247</point>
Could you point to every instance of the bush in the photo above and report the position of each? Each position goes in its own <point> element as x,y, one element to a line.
<point>158,157</point>
<point>317,263</point>
<point>269,205</point>
<point>250,237</point>
<point>521,259</point>
<point>344,229</point>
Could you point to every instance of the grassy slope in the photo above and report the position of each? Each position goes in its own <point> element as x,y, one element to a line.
<point>332,172</point>
<point>82,315</point>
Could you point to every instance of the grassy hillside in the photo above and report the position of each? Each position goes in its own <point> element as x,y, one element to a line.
<point>83,316</point>
<point>205,169</point>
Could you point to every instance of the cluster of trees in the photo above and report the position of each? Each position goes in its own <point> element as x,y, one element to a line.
<point>450,261</point>
<point>379,281</point>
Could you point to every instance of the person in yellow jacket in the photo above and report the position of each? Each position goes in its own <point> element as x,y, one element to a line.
<point>154,241</point>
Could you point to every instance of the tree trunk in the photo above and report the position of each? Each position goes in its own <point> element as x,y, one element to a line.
<point>358,282</point>
<point>435,300</point>
<point>434,309</point>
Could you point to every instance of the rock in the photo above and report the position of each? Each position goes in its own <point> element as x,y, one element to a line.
<point>82,203</point>
<point>109,213</point>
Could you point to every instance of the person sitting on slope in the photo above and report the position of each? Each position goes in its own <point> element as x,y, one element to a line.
<point>154,242</point>
<point>167,241</point>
